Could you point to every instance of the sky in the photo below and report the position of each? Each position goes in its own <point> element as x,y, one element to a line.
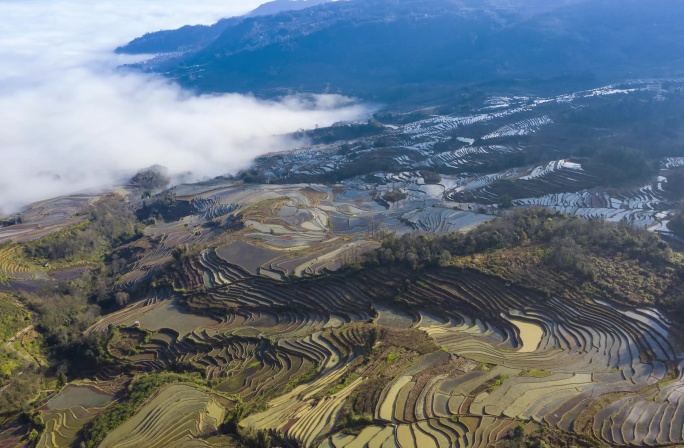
<point>70,122</point>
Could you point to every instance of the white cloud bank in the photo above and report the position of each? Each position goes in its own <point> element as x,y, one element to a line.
<point>69,121</point>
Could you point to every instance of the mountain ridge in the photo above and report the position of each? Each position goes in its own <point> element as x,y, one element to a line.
<point>376,49</point>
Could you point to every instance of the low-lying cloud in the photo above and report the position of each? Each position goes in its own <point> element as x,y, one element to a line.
<point>69,121</point>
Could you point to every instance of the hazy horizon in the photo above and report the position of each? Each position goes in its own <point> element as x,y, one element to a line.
<point>72,122</point>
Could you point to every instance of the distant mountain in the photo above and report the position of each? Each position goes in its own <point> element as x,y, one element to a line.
<point>187,38</point>
<point>194,37</point>
<point>389,50</point>
<point>278,6</point>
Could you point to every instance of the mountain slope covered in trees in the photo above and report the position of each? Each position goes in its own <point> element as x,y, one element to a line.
<point>389,50</point>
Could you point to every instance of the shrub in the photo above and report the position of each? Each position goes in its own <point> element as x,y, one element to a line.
<point>255,438</point>
<point>430,177</point>
<point>152,178</point>
<point>394,195</point>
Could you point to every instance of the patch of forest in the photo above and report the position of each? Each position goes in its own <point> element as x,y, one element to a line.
<point>555,254</point>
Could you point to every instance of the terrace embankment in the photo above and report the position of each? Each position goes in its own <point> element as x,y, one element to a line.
<point>519,352</point>
<point>436,341</point>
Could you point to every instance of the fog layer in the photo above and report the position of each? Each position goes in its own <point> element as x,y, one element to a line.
<point>69,121</point>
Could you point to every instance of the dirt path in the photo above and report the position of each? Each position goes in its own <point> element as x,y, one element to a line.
<point>19,333</point>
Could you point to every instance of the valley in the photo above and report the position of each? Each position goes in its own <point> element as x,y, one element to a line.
<point>322,298</point>
<point>492,255</point>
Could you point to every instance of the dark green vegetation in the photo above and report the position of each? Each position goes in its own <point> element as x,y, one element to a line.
<point>675,188</point>
<point>162,207</point>
<point>556,254</point>
<point>20,377</point>
<point>429,47</point>
<point>430,177</point>
<point>616,166</point>
<point>394,196</point>
<point>347,131</point>
<point>153,178</point>
<point>676,224</point>
<point>57,351</point>
<point>635,121</point>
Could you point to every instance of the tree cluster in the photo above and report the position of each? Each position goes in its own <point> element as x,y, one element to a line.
<point>350,131</point>
<point>620,165</point>
<point>572,240</point>
<point>394,195</point>
<point>164,206</point>
<point>430,177</point>
<point>152,178</point>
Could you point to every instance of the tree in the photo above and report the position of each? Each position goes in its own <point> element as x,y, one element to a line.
<point>445,258</point>
<point>152,178</point>
<point>430,177</point>
<point>506,201</point>
<point>122,298</point>
<point>394,195</point>
<point>179,253</point>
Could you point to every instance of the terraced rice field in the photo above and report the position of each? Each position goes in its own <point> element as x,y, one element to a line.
<point>530,335</point>
<point>177,415</point>
<point>45,217</point>
<point>247,256</point>
<point>73,407</point>
<point>550,362</point>
<point>507,354</point>
<point>441,220</point>
<point>470,432</point>
<point>520,128</point>
<point>389,317</point>
<point>441,358</point>
<point>553,359</point>
<point>640,206</point>
<point>13,266</point>
<point>468,157</point>
<point>169,314</point>
<point>124,316</point>
<point>558,176</point>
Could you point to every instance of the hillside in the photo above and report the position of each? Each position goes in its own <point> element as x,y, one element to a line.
<point>196,37</point>
<point>394,51</point>
<point>259,315</point>
<point>493,259</point>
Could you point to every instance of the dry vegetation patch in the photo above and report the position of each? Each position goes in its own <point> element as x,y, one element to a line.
<point>125,341</point>
<point>613,277</point>
<point>395,350</point>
